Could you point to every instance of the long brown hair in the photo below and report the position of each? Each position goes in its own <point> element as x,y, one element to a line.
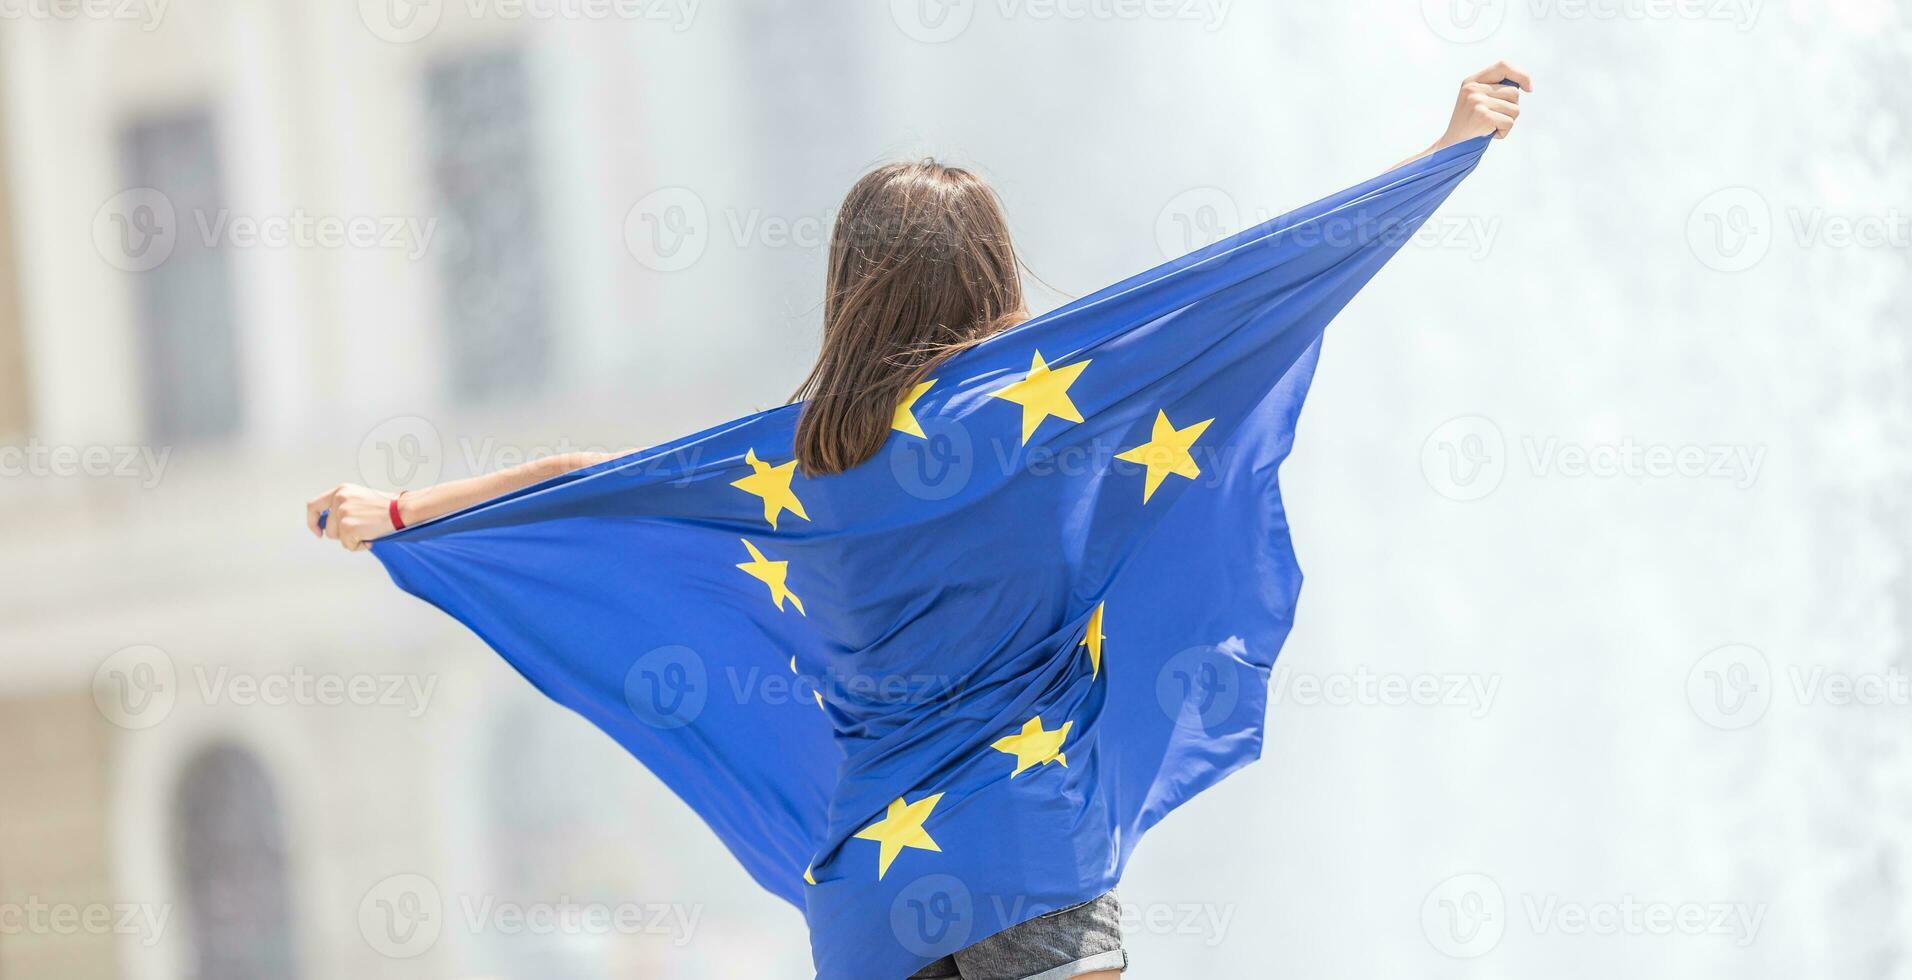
<point>920,267</point>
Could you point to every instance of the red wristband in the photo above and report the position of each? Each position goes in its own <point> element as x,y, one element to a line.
<point>398,523</point>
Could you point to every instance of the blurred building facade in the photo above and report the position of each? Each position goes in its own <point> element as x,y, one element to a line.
<point>275,246</point>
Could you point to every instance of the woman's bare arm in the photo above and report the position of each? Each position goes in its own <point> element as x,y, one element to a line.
<point>359,515</point>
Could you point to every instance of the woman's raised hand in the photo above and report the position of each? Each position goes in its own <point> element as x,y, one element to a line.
<point>1485,105</point>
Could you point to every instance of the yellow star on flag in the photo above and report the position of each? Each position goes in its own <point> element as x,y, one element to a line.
<point>901,827</point>
<point>772,483</point>
<point>1092,638</point>
<point>1033,746</point>
<point>773,574</point>
<point>806,877</point>
<point>905,420</point>
<point>1166,452</point>
<point>1043,392</point>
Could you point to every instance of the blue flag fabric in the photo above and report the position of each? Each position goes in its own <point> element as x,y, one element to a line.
<point>947,691</point>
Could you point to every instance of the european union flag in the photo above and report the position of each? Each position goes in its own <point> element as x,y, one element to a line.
<point>948,690</point>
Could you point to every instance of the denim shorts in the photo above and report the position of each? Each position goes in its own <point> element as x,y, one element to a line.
<point>1055,946</point>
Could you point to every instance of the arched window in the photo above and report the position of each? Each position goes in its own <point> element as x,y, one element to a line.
<point>231,854</point>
